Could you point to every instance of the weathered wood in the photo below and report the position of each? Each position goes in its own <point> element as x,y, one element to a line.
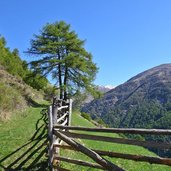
<point>54,113</point>
<point>102,161</point>
<point>62,107</point>
<point>119,140</point>
<point>50,136</point>
<point>118,130</point>
<point>62,117</point>
<point>65,122</point>
<point>151,160</point>
<point>79,162</point>
<point>61,112</point>
<point>59,115</point>
<point>70,112</point>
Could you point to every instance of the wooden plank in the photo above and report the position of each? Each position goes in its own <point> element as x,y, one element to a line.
<point>79,162</point>
<point>62,107</point>
<point>65,122</point>
<point>93,155</point>
<point>119,140</point>
<point>118,130</point>
<point>62,117</point>
<point>141,158</point>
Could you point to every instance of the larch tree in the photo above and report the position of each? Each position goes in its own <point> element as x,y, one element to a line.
<point>61,54</point>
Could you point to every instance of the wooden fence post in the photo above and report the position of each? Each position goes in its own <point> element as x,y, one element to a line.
<point>70,112</point>
<point>54,111</point>
<point>50,134</point>
<point>59,109</point>
<point>55,115</point>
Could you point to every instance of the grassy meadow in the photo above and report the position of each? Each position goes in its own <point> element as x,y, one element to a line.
<point>129,165</point>
<point>22,141</point>
<point>23,145</point>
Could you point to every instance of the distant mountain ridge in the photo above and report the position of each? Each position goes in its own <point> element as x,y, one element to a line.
<point>142,101</point>
<point>101,89</point>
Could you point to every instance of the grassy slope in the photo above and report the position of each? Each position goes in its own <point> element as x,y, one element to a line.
<point>24,132</point>
<point>126,164</point>
<point>15,95</point>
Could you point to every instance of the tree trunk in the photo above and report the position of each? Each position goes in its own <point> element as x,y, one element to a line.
<point>60,82</point>
<point>65,82</point>
<point>60,76</point>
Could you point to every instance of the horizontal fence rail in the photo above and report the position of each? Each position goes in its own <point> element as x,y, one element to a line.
<point>61,132</point>
<point>80,162</point>
<point>151,160</point>
<point>119,140</point>
<point>118,130</point>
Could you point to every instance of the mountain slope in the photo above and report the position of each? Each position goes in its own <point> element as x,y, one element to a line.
<point>142,101</point>
<point>15,94</point>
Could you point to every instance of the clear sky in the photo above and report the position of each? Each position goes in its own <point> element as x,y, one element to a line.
<point>125,37</point>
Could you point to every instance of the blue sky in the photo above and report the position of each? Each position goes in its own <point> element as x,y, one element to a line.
<point>125,37</point>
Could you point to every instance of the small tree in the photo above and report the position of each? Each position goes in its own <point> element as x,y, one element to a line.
<point>62,55</point>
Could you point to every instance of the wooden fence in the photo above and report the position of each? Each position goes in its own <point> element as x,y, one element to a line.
<point>59,114</point>
<point>61,131</point>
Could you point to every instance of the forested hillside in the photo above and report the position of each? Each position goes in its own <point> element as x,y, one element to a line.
<point>141,102</point>
<point>11,62</point>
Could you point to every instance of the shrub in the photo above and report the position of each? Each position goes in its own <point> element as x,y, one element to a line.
<point>86,116</point>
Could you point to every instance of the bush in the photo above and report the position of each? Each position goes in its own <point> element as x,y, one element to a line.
<point>50,92</point>
<point>86,116</point>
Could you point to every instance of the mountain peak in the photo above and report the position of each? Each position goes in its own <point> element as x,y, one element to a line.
<point>140,102</point>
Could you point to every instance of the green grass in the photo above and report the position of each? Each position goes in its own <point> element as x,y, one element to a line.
<point>77,120</point>
<point>21,141</point>
<point>22,138</point>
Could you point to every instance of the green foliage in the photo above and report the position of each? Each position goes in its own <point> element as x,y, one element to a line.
<point>86,116</point>
<point>50,92</point>
<point>12,62</point>
<point>79,99</point>
<point>36,81</point>
<point>100,122</point>
<point>62,54</point>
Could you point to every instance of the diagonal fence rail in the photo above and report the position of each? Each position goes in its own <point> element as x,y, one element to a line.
<point>60,131</point>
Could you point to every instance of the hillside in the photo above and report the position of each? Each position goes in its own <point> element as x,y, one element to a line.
<point>15,94</point>
<point>101,89</point>
<point>146,96</point>
<point>141,102</point>
<point>19,85</point>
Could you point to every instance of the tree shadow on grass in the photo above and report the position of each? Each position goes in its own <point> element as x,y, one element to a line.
<point>31,155</point>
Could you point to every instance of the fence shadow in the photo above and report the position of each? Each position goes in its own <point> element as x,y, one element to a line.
<point>31,155</point>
